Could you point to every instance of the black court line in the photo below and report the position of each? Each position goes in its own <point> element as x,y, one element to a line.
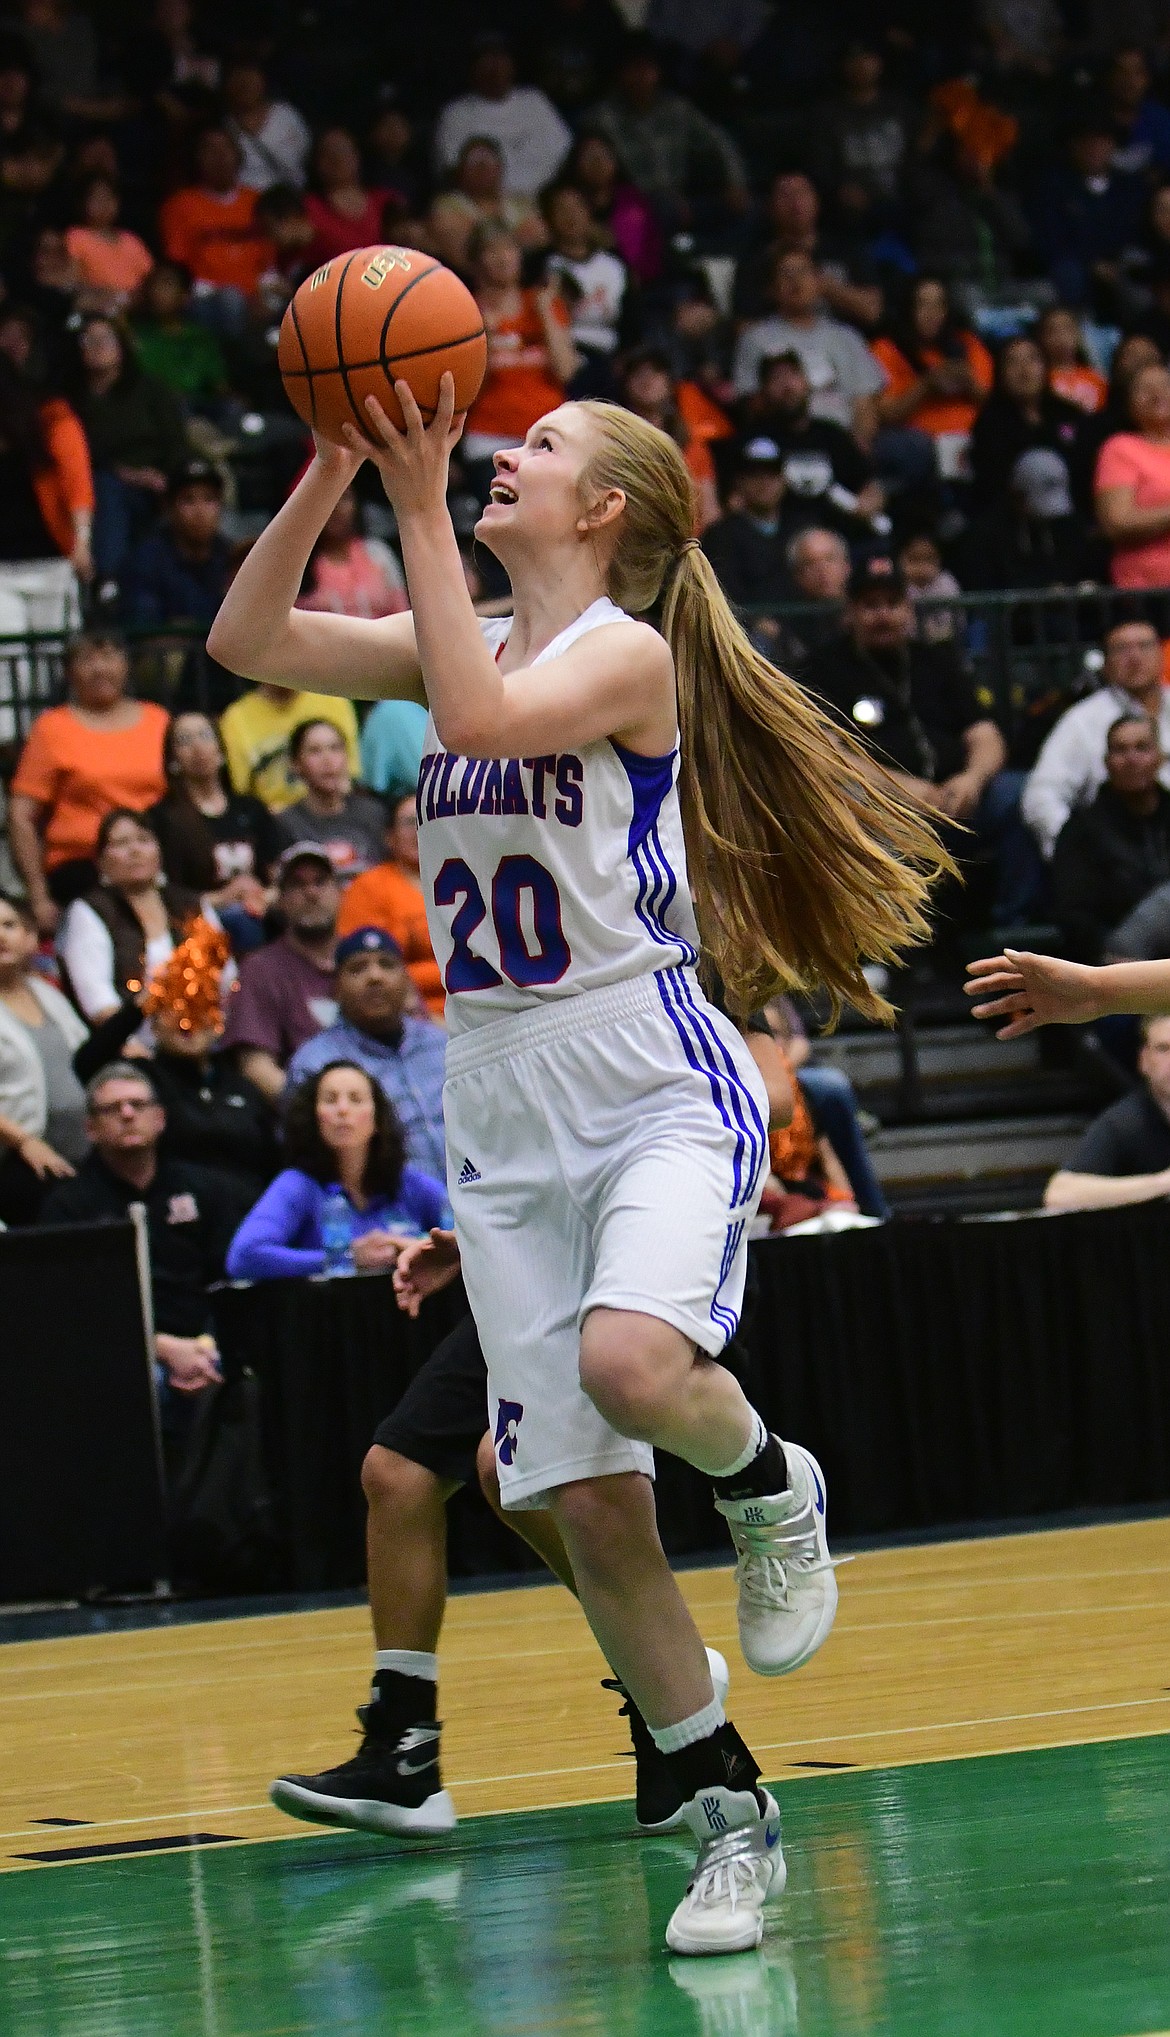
<point>821,1764</point>
<point>60,1821</point>
<point>173,1844</point>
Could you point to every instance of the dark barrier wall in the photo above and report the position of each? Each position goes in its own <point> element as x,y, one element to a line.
<point>941,1371</point>
<point>955,1371</point>
<point>80,1495</point>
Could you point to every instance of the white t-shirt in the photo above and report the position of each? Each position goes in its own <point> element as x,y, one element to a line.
<point>277,153</point>
<point>526,126</point>
<point>839,365</point>
<point>594,315</point>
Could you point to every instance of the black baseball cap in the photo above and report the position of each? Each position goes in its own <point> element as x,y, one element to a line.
<point>759,453</point>
<point>879,578</point>
<point>194,474</point>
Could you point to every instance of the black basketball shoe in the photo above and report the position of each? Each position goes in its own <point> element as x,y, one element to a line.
<point>388,1786</point>
<point>658,1803</point>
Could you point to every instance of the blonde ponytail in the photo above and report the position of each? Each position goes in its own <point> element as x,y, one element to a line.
<point>805,865</point>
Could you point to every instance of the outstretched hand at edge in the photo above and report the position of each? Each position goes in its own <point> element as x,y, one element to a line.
<point>1033,990</point>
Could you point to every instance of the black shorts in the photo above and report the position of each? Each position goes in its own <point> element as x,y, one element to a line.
<point>442,1415</point>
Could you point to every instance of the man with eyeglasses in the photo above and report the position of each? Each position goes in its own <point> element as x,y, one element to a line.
<point>191,1213</point>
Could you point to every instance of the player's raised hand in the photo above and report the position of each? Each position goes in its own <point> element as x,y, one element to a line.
<point>425,1265</point>
<point>1033,990</point>
<point>413,462</point>
<point>342,461</point>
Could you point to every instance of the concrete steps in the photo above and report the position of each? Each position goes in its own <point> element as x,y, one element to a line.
<point>974,1124</point>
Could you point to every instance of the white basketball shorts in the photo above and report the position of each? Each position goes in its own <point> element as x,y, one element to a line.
<point>606,1151</point>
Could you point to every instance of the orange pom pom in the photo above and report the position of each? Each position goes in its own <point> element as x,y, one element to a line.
<point>187,987</point>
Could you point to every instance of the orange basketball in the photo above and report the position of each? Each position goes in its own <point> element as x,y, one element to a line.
<point>370,318</point>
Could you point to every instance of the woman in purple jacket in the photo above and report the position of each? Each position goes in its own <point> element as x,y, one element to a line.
<point>347,1201</point>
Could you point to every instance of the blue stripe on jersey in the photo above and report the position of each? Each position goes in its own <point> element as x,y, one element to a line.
<point>696,1047</point>
<point>724,1318</point>
<point>651,780</point>
<point>743,1103</point>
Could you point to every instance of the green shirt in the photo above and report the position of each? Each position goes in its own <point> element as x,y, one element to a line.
<point>189,361</point>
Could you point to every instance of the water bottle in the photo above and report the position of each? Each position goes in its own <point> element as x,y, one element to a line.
<point>337,1233</point>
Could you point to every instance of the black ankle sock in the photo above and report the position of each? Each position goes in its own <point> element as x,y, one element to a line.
<point>767,1473</point>
<point>721,1761</point>
<point>398,1701</point>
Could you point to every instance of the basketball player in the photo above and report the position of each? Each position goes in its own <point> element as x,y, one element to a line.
<point>606,1127</point>
<point>420,1456</point>
<point>1041,990</point>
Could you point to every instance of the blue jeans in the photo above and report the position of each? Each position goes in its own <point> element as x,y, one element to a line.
<point>833,1107</point>
<point>122,514</point>
<point>1021,881</point>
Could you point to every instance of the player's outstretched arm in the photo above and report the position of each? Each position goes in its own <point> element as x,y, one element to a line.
<point>260,635</point>
<point>1041,990</point>
<point>615,682</point>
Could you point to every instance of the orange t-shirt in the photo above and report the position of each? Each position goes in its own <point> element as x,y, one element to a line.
<point>216,238</point>
<point>385,897</point>
<point>519,386</point>
<point>942,413</point>
<point>118,264</point>
<point>79,773</point>
<point>1127,461</point>
<point>1081,385</point>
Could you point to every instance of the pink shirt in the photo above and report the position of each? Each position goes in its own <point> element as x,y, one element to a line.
<point>334,233</point>
<point>358,584</point>
<point>1127,461</point>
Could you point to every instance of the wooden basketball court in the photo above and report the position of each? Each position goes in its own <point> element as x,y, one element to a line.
<point>974,1776</point>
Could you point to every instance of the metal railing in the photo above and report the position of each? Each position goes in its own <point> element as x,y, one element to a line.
<point>168,665</point>
<point>1030,653</point>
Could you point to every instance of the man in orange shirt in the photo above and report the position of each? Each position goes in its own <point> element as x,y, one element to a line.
<point>211,228</point>
<point>390,896</point>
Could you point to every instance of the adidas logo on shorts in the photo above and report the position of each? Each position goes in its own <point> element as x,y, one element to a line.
<point>468,1173</point>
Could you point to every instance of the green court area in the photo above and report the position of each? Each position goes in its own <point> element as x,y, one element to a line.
<point>1018,1895</point>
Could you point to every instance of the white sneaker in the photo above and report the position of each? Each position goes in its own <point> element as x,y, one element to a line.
<point>740,1867</point>
<point>787,1589</point>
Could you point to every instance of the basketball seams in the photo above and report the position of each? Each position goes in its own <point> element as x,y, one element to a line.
<point>387,360</point>
<point>404,292</point>
<point>342,363</point>
<point>296,325</point>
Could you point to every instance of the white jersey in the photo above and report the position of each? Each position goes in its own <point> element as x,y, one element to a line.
<point>548,876</point>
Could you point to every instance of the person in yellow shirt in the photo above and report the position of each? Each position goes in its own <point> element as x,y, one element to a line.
<point>256,730</point>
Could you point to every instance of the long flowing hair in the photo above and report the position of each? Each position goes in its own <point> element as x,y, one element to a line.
<point>805,860</point>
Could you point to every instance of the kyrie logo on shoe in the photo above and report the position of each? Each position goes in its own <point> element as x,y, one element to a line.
<point>714,1813</point>
<point>468,1173</point>
<point>508,1420</point>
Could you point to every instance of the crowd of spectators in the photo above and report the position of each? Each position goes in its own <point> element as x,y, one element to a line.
<point>904,253</point>
<point>899,287</point>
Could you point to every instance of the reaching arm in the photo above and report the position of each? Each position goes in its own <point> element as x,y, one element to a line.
<point>617,681</point>
<point>1040,990</point>
<point>260,635</point>
<point>1069,1190</point>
